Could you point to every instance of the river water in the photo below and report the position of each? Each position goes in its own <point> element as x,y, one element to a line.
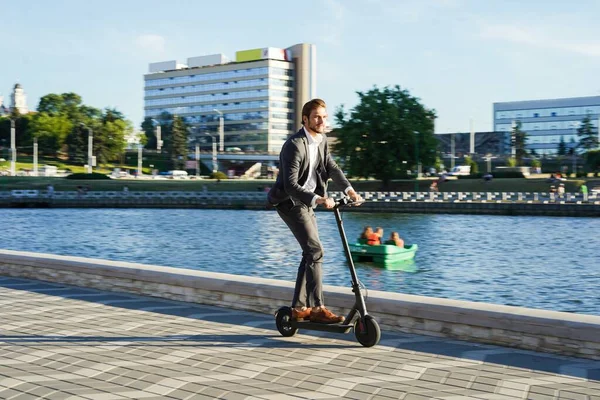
<point>539,262</point>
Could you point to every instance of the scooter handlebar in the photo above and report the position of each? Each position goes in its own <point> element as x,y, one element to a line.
<point>346,201</point>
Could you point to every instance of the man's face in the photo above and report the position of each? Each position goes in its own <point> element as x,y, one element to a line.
<point>317,120</point>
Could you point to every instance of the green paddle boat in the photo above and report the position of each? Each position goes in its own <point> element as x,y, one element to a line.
<point>383,254</point>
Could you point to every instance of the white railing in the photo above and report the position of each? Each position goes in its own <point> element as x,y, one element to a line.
<point>427,197</point>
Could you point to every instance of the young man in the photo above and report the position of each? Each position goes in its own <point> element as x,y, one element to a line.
<point>305,167</point>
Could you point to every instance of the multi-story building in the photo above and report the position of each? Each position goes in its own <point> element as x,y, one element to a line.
<point>259,96</point>
<point>547,121</point>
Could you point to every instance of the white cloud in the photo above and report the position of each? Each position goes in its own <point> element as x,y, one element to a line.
<point>537,38</point>
<point>151,43</point>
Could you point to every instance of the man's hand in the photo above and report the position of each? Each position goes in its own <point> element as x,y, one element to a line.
<point>327,201</point>
<point>355,197</point>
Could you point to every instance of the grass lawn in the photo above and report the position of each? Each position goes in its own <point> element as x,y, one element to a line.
<point>462,185</point>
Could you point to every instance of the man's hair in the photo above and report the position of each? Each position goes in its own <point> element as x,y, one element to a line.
<point>310,106</point>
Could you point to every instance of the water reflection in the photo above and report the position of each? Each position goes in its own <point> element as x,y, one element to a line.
<point>550,263</point>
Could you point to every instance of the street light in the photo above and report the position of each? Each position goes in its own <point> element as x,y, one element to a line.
<point>13,149</point>
<point>221,131</point>
<point>90,147</point>
<point>214,151</point>
<point>417,160</point>
<point>159,142</point>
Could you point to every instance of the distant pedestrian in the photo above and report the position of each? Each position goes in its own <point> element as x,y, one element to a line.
<point>584,191</point>
<point>50,191</point>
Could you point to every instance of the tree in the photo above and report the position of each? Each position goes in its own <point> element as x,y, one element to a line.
<point>77,142</point>
<point>23,137</point>
<point>588,136</point>
<point>109,135</point>
<point>178,148</point>
<point>562,147</point>
<point>382,134</point>
<point>592,160</point>
<point>165,120</point>
<point>51,131</point>
<point>518,140</point>
<point>149,130</point>
<point>67,104</point>
<point>572,148</point>
<point>474,167</point>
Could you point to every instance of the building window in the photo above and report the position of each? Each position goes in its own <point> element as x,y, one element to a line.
<point>553,114</point>
<point>535,115</point>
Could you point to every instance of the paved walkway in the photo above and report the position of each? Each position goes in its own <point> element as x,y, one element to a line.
<point>60,342</point>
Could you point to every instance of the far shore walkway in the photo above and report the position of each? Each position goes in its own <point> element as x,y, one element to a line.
<point>63,342</point>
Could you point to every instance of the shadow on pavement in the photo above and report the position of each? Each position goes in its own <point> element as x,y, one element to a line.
<point>570,366</point>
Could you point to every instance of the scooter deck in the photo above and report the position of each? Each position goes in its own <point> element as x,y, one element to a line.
<point>314,326</point>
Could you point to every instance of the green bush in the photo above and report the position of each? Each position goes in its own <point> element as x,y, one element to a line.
<point>218,175</point>
<point>508,174</point>
<point>496,174</point>
<point>474,167</point>
<point>92,176</point>
<point>478,175</point>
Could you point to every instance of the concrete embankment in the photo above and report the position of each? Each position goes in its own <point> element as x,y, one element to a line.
<point>547,204</point>
<point>540,330</point>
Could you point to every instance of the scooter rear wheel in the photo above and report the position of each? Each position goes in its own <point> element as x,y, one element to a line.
<point>283,319</point>
<point>367,331</point>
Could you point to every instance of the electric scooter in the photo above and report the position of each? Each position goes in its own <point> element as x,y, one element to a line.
<point>365,327</point>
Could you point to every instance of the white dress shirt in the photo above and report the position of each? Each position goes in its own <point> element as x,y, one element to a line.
<point>313,156</point>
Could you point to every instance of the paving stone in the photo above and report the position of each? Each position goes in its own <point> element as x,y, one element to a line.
<point>116,346</point>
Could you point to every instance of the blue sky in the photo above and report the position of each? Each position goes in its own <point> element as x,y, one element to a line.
<point>457,56</point>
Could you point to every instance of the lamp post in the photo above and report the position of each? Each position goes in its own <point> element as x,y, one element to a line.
<point>221,131</point>
<point>140,158</point>
<point>90,150</point>
<point>35,157</point>
<point>197,160</point>
<point>417,161</point>
<point>159,142</point>
<point>13,149</point>
<point>90,158</point>
<point>214,151</point>
<point>574,161</point>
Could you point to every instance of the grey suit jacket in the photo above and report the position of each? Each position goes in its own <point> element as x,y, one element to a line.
<point>293,171</point>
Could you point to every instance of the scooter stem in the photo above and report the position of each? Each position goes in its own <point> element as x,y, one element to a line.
<point>360,301</point>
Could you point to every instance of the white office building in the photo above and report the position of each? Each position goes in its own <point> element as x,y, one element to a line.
<point>259,95</point>
<point>547,121</point>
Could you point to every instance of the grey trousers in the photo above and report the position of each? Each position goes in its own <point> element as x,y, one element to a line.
<point>302,222</point>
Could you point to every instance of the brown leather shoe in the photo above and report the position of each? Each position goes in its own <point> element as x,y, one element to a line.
<point>324,316</point>
<point>300,315</point>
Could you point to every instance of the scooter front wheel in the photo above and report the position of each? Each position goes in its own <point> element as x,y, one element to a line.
<point>367,331</point>
<point>283,320</point>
